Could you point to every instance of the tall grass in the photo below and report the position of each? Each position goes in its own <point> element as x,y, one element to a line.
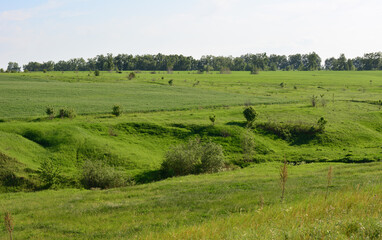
<point>283,178</point>
<point>329,181</point>
<point>8,222</point>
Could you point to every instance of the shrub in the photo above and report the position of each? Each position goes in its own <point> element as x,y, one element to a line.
<point>67,113</point>
<point>212,119</point>
<point>212,159</point>
<point>171,82</point>
<point>96,73</point>
<point>1,70</point>
<point>97,175</point>
<point>313,100</point>
<point>248,146</point>
<point>117,110</point>
<point>131,76</point>
<point>50,112</point>
<point>44,70</point>
<point>192,158</point>
<point>225,70</point>
<point>49,173</point>
<point>250,115</point>
<point>255,70</point>
<point>321,124</point>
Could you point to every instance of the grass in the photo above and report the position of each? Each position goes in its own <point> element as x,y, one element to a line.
<point>212,206</point>
<point>240,204</point>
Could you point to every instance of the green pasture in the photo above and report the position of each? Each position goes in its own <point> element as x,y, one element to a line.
<point>243,202</point>
<point>240,204</point>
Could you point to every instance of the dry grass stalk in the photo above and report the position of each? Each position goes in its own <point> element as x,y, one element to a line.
<point>329,177</point>
<point>261,202</point>
<point>283,178</point>
<point>8,221</point>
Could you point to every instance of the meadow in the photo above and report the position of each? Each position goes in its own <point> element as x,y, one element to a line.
<point>243,202</point>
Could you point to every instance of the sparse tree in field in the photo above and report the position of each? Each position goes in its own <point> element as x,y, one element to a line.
<point>1,70</point>
<point>212,119</point>
<point>117,110</point>
<point>250,115</point>
<point>96,73</point>
<point>50,112</point>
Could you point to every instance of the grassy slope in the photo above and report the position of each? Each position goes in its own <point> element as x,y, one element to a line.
<point>136,142</point>
<point>219,206</point>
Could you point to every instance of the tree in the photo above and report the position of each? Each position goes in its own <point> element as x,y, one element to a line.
<point>250,115</point>
<point>13,67</point>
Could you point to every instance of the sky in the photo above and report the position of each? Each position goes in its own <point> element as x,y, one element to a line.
<point>43,30</point>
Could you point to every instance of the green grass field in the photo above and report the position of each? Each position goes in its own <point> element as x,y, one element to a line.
<point>210,206</point>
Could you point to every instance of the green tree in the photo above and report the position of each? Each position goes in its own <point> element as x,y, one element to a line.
<point>250,115</point>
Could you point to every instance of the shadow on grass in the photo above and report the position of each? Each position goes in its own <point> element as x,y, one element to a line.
<point>237,123</point>
<point>149,177</point>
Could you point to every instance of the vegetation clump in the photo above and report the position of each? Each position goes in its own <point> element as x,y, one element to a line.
<point>50,112</point>
<point>131,76</point>
<point>96,73</point>
<point>49,173</point>
<point>192,158</point>
<point>116,110</point>
<point>212,119</point>
<point>97,175</point>
<point>250,115</point>
<point>67,113</point>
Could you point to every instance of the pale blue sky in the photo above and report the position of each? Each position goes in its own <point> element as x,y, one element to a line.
<point>42,30</point>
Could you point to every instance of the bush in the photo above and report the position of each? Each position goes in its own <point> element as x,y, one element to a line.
<point>131,76</point>
<point>192,158</point>
<point>96,73</point>
<point>255,70</point>
<point>49,173</point>
<point>117,110</point>
<point>250,115</point>
<point>44,70</point>
<point>212,159</point>
<point>67,113</point>
<point>50,112</point>
<point>321,124</point>
<point>97,175</point>
<point>248,146</point>
<point>171,82</point>
<point>213,119</point>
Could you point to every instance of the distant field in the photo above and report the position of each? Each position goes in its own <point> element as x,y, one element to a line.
<point>25,95</point>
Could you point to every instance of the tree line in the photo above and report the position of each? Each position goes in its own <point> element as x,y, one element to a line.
<point>247,62</point>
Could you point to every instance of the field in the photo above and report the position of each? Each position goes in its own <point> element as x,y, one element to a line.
<point>242,202</point>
